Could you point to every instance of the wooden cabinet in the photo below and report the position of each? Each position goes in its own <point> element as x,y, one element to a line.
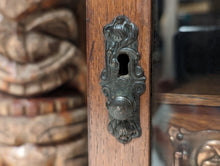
<point>185,113</point>
<point>104,149</point>
<point>179,110</point>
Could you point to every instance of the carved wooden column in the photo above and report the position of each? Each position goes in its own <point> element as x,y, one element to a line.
<point>42,83</point>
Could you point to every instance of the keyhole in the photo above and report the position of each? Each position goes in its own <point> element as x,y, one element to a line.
<point>123,60</point>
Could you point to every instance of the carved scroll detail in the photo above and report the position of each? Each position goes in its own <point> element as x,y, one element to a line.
<point>43,117</point>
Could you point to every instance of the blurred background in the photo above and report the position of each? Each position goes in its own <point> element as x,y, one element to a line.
<point>186,79</point>
<point>43,115</point>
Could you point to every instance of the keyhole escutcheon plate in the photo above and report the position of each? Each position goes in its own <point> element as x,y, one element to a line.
<point>122,80</point>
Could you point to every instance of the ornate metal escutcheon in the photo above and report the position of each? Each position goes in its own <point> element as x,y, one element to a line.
<point>122,80</point>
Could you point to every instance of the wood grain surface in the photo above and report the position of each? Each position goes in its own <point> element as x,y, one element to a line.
<point>104,149</point>
<point>203,90</point>
<point>192,118</point>
<point>189,99</point>
<point>195,118</point>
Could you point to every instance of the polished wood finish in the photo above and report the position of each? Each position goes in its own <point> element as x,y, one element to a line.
<point>189,99</point>
<point>104,149</point>
<point>192,118</point>
<point>199,90</point>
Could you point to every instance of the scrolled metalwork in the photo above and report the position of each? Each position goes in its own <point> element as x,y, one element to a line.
<point>200,148</point>
<point>122,80</point>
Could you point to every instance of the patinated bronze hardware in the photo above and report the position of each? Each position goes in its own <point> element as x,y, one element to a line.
<point>195,148</point>
<point>122,80</point>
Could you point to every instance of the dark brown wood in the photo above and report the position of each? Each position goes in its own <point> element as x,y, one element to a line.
<point>104,149</point>
<point>200,85</point>
<point>199,90</point>
<point>189,99</point>
<point>192,118</point>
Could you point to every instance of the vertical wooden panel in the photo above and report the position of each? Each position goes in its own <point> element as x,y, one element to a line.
<point>104,149</point>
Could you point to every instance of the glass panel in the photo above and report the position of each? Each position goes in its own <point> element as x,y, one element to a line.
<point>186,83</point>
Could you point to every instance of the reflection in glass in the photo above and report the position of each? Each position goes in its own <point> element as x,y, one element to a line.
<point>185,78</point>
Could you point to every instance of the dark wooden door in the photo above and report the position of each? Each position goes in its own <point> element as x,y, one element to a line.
<point>104,149</point>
